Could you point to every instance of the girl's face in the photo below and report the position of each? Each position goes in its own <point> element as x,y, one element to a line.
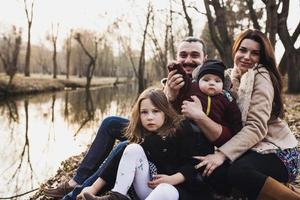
<point>151,117</point>
<point>247,55</point>
<point>211,84</point>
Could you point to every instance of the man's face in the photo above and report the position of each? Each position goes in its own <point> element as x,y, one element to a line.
<point>190,54</point>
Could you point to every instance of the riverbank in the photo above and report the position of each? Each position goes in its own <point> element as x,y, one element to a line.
<point>68,167</point>
<point>38,83</point>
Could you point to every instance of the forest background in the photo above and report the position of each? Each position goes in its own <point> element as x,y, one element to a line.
<point>95,41</point>
<point>136,39</point>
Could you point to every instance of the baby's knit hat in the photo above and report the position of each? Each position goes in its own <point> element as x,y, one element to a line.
<point>212,66</point>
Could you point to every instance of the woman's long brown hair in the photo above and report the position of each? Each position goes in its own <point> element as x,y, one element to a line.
<point>267,59</point>
<point>135,131</point>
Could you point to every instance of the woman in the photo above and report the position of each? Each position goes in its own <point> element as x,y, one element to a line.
<point>264,153</point>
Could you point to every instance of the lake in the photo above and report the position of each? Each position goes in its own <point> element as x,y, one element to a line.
<point>38,132</point>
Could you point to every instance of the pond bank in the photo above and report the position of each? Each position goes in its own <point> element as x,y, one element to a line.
<point>38,83</point>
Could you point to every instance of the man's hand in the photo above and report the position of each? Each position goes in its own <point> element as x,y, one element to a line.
<point>174,83</point>
<point>192,109</point>
<point>211,161</point>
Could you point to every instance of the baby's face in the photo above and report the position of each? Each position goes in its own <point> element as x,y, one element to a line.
<point>211,84</point>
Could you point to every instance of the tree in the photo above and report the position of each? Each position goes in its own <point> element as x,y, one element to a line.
<point>68,48</point>
<point>291,57</point>
<point>53,39</point>
<point>42,58</point>
<point>187,18</point>
<point>210,48</point>
<point>219,33</point>
<point>276,23</point>
<point>141,65</point>
<point>160,51</point>
<point>9,52</point>
<point>28,49</point>
<point>171,42</point>
<point>92,58</point>
<point>130,54</point>
<point>272,20</point>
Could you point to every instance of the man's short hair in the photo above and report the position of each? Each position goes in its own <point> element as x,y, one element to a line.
<point>194,39</point>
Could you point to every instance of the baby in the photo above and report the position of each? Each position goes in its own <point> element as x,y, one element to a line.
<point>216,102</point>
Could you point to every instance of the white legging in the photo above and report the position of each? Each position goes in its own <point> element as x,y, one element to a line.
<point>134,169</point>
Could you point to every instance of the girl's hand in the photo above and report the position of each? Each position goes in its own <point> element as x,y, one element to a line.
<point>211,161</point>
<point>163,178</point>
<point>89,189</point>
<point>192,109</point>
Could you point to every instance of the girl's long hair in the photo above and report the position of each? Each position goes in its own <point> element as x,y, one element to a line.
<point>267,59</point>
<point>135,131</point>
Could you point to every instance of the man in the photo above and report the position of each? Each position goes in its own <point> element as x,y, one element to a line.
<point>191,53</point>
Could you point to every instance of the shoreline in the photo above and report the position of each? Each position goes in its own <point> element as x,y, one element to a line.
<point>38,83</point>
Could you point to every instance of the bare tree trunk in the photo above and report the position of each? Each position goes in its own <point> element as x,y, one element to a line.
<point>126,47</point>
<point>28,52</point>
<point>68,54</point>
<point>53,39</point>
<point>28,48</point>
<point>187,18</point>
<point>16,52</point>
<point>253,15</point>
<point>292,54</point>
<point>9,53</point>
<point>294,73</point>
<point>141,69</point>
<point>92,64</point>
<point>162,52</point>
<point>165,54</point>
<point>272,20</point>
<point>54,61</point>
<point>172,47</point>
<point>218,30</point>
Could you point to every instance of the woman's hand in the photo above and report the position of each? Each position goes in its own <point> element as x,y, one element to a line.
<point>239,71</point>
<point>211,161</point>
<point>192,109</point>
<point>163,178</point>
<point>89,189</point>
<point>174,83</point>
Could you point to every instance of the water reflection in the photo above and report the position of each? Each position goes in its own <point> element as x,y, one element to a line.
<point>38,132</point>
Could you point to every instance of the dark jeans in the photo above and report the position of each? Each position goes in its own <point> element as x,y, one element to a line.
<point>88,182</point>
<point>110,130</point>
<point>249,173</point>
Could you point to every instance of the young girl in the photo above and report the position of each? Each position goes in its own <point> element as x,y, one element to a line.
<point>265,151</point>
<point>158,137</point>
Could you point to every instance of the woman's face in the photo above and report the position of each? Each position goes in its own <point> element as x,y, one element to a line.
<point>152,118</point>
<point>247,55</point>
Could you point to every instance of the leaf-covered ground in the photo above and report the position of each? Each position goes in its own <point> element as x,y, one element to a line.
<point>68,167</point>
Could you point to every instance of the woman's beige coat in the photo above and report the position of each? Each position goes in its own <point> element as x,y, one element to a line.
<point>260,133</point>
